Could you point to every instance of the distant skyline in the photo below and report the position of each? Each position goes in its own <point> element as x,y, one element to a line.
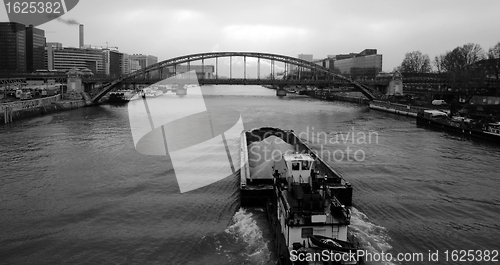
<point>168,29</point>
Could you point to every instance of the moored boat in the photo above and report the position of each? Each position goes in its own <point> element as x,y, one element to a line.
<point>152,93</point>
<point>467,127</point>
<point>123,96</point>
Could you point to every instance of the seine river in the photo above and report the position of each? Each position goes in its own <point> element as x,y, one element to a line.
<point>73,189</point>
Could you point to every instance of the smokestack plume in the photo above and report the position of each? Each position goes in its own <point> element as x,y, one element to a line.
<point>68,21</point>
<point>81,36</point>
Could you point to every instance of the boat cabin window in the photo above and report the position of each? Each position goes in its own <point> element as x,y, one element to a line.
<point>305,165</point>
<point>306,232</point>
<point>295,165</point>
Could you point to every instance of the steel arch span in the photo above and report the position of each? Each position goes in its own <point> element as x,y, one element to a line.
<point>210,55</point>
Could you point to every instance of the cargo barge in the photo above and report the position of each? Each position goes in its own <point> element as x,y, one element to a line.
<point>308,202</point>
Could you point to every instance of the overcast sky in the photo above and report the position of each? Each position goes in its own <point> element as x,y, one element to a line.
<point>167,28</point>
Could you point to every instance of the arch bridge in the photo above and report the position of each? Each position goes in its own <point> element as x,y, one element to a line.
<point>317,74</point>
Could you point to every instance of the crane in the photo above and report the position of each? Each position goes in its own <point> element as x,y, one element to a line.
<point>102,47</point>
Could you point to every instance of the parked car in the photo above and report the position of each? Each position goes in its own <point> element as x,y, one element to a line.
<point>438,102</point>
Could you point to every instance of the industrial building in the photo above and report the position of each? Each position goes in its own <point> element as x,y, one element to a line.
<point>144,60</point>
<point>202,71</point>
<point>306,57</point>
<point>35,49</point>
<point>22,49</point>
<point>366,64</point>
<point>67,58</point>
<point>113,63</point>
<point>49,54</point>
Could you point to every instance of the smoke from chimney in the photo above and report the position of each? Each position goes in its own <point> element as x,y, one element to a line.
<point>68,22</point>
<point>81,36</point>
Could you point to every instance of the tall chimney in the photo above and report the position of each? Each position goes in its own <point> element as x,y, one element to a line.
<point>81,36</point>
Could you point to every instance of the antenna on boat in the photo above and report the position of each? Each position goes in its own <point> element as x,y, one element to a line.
<point>325,178</point>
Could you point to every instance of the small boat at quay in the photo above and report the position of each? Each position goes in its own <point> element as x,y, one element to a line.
<point>152,93</point>
<point>440,120</point>
<point>123,96</point>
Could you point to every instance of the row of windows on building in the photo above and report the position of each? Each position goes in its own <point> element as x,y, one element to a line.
<point>21,48</point>
<point>355,65</point>
<point>24,49</point>
<point>99,61</point>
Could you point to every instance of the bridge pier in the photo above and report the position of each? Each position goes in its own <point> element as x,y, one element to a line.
<point>181,91</point>
<point>280,91</point>
<point>88,87</point>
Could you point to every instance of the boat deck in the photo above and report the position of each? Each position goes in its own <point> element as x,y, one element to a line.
<point>256,192</point>
<point>312,204</point>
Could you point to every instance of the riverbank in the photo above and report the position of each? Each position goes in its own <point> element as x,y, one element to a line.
<point>357,97</point>
<point>57,106</point>
<point>353,97</point>
<point>400,109</point>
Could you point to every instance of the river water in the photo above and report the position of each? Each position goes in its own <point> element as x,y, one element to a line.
<point>73,190</point>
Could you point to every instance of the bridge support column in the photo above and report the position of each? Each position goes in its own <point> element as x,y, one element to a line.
<point>258,68</point>
<point>280,91</point>
<point>87,87</point>
<point>272,69</point>
<point>181,91</point>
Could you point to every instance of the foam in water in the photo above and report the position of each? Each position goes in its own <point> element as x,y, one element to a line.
<point>373,238</point>
<point>245,229</point>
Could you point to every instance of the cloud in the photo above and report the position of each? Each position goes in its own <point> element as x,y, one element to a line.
<point>262,33</point>
<point>185,14</point>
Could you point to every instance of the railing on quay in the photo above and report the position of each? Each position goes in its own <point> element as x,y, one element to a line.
<point>28,104</point>
<point>397,106</point>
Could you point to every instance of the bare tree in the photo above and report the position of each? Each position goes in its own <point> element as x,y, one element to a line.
<point>494,53</point>
<point>461,65</point>
<point>494,56</point>
<point>438,63</point>
<point>416,62</point>
<point>494,64</point>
